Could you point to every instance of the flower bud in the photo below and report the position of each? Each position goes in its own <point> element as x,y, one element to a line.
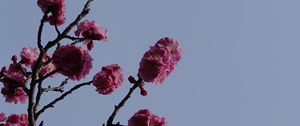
<point>14,59</point>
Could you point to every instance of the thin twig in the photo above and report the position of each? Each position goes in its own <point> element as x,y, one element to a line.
<point>59,88</point>
<point>42,123</point>
<point>57,30</point>
<point>38,96</point>
<point>51,104</point>
<point>47,75</point>
<point>74,38</point>
<point>39,37</point>
<point>63,83</point>
<point>122,103</point>
<point>83,13</point>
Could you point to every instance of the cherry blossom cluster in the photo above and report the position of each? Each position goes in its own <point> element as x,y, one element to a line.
<point>145,117</point>
<point>56,8</point>
<point>13,120</point>
<point>159,61</point>
<point>108,79</point>
<point>21,78</point>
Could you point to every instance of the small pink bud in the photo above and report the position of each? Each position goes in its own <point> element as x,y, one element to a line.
<point>14,59</point>
<point>90,45</point>
<point>131,79</point>
<point>3,70</point>
<point>143,91</point>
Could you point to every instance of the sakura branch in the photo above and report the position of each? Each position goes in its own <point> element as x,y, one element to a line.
<point>51,104</point>
<point>122,103</point>
<point>22,77</point>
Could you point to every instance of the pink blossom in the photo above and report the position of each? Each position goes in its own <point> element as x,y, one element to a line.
<point>14,59</point>
<point>108,79</point>
<point>16,67</point>
<point>145,117</point>
<point>17,120</point>
<point>56,8</point>
<point>91,30</point>
<point>159,61</point>
<point>14,95</point>
<point>72,61</point>
<point>14,81</point>
<point>2,117</point>
<point>29,56</point>
<point>172,45</point>
<point>47,69</point>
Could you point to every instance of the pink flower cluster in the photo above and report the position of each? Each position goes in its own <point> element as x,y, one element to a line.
<point>29,56</point>
<point>145,117</point>
<point>91,30</point>
<point>159,61</point>
<point>72,61</point>
<point>56,8</point>
<point>108,79</point>
<point>14,81</point>
<point>14,120</point>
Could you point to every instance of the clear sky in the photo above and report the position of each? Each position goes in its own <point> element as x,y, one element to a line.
<point>240,64</point>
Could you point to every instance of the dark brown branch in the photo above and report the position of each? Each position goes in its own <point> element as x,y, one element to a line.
<point>57,30</point>
<point>35,70</point>
<point>122,103</point>
<point>38,96</point>
<point>59,88</point>
<point>39,37</point>
<point>42,123</point>
<point>47,75</point>
<point>51,104</point>
<point>74,38</point>
<point>83,13</point>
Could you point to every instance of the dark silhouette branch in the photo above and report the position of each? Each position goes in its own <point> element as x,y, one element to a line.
<point>122,103</point>
<point>35,70</point>
<point>51,104</point>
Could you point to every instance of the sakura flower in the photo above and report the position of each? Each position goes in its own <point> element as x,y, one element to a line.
<point>159,61</point>
<point>17,120</point>
<point>145,117</point>
<point>172,45</point>
<point>108,79</point>
<point>91,30</point>
<point>47,69</point>
<point>14,81</point>
<point>14,95</point>
<point>56,8</point>
<point>72,61</point>
<point>29,56</point>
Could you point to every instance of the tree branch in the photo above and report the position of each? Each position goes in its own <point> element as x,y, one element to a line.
<point>35,70</point>
<point>56,29</point>
<point>122,103</point>
<point>51,104</point>
<point>38,96</point>
<point>47,75</point>
<point>59,88</point>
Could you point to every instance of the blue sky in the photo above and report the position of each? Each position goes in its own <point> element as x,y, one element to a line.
<point>240,64</point>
